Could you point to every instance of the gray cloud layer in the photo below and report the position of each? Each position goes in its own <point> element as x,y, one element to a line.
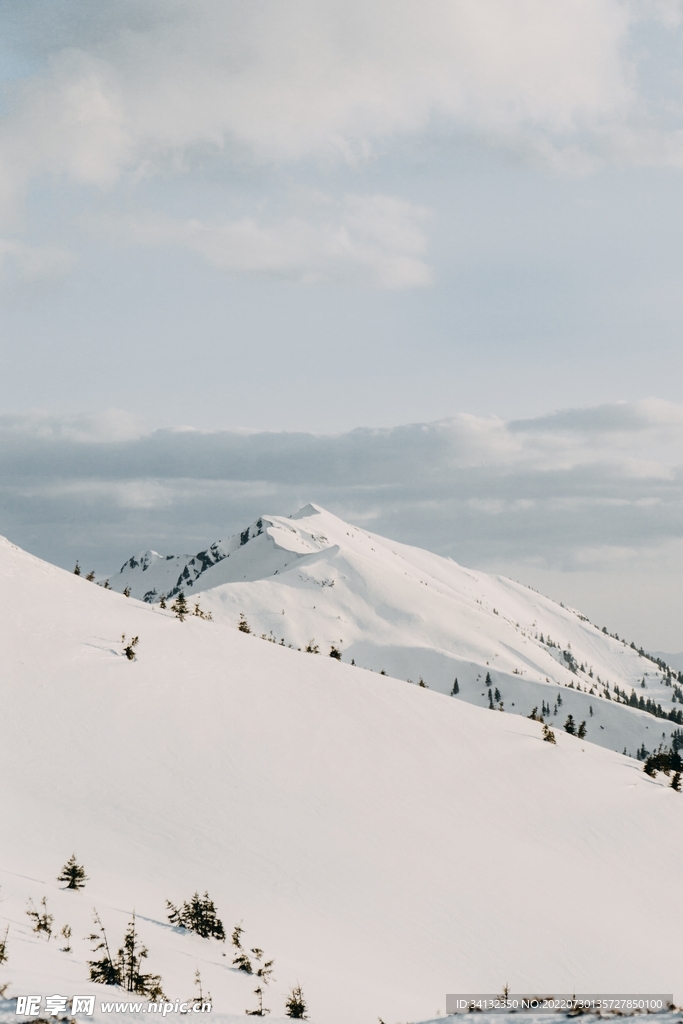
<point>566,489</point>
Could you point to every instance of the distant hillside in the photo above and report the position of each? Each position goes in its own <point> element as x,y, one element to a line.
<point>314,580</point>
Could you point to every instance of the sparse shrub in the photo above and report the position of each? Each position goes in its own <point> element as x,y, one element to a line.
<point>126,591</point>
<point>312,647</point>
<point>197,915</point>
<point>296,1004</point>
<point>179,606</point>
<point>3,947</point>
<point>42,920</point>
<point>200,614</point>
<point>263,972</point>
<point>534,716</point>
<point>335,653</point>
<point>129,648</point>
<point>243,625</point>
<point>422,683</point>
<point>91,576</point>
<point>73,874</point>
<point>548,734</point>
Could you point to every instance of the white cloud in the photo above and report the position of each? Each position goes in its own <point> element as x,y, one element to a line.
<point>377,239</point>
<point>34,265</point>
<point>315,78</point>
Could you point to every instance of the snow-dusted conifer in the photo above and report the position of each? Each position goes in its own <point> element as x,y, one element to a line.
<point>582,731</point>
<point>198,915</point>
<point>73,874</point>
<point>296,1004</point>
<point>77,569</point>
<point>456,688</point>
<point>179,606</point>
<point>42,920</point>
<point>243,625</point>
<point>570,725</point>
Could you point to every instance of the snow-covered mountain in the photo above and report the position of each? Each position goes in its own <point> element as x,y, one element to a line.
<point>383,842</point>
<point>314,580</point>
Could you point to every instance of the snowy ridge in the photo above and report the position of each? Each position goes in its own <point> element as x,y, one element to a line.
<point>384,843</point>
<point>413,614</point>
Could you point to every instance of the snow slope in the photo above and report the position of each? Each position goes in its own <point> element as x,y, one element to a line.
<point>417,615</point>
<point>383,842</point>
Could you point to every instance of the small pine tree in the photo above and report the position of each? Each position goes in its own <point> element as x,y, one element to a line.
<point>162,602</point>
<point>422,683</point>
<point>454,693</point>
<point>570,725</point>
<point>488,681</point>
<point>548,734</point>
<point>73,874</point>
<point>582,731</point>
<point>296,1004</point>
<point>42,920</point>
<point>129,649</point>
<point>243,625</point>
<point>335,653</point>
<point>179,606</point>
<point>496,696</point>
<point>126,591</point>
<point>66,935</point>
<point>91,576</point>
<point>491,704</point>
<point>3,947</point>
<point>77,569</point>
<point>125,969</point>
<point>676,782</point>
<point>198,915</point>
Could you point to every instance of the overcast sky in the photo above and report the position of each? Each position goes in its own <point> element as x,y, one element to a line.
<point>332,220</point>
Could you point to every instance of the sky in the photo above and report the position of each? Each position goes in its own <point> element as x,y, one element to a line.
<point>419,262</point>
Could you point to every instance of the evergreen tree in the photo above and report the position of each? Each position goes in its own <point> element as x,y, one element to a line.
<point>129,649</point>
<point>335,653</point>
<point>582,731</point>
<point>73,874</point>
<point>491,704</point>
<point>243,625</point>
<point>162,602</point>
<point>676,782</point>
<point>497,697</point>
<point>487,681</point>
<point>77,569</point>
<point>454,693</point>
<point>3,947</point>
<point>548,734</point>
<point>296,1004</point>
<point>179,606</point>
<point>42,920</point>
<point>125,969</point>
<point>66,935</point>
<point>570,726</point>
<point>126,591</point>
<point>91,576</point>
<point>197,915</point>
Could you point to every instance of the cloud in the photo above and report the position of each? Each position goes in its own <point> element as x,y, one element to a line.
<point>477,488</point>
<point>24,264</point>
<point>139,90</point>
<point>375,239</point>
